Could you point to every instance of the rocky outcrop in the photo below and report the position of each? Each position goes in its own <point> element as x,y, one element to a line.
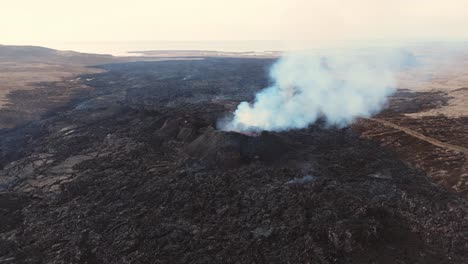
<point>113,183</point>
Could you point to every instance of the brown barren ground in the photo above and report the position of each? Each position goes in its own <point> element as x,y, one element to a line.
<point>426,122</point>
<point>27,76</point>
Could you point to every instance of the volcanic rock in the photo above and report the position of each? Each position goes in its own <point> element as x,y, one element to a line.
<point>123,187</point>
<point>231,149</point>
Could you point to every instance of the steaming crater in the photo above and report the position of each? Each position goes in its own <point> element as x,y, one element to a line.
<point>305,87</point>
<point>231,149</point>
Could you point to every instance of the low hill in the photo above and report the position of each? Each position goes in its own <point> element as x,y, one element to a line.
<point>41,54</point>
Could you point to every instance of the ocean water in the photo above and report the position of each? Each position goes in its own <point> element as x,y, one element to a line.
<point>123,48</point>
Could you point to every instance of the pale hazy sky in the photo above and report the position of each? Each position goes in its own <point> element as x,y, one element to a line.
<point>197,20</point>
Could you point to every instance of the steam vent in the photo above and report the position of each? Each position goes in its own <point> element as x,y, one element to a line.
<point>133,170</point>
<point>231,149</point>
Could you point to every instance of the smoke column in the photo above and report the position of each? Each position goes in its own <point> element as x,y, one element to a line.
<point>337,87</point>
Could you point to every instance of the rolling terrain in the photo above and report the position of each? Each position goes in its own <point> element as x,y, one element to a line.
<point>133,170</point>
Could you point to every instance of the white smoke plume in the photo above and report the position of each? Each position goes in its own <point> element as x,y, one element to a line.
<point>337,87</point>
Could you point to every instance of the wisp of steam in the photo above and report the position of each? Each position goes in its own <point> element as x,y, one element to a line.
<point>337,87</point>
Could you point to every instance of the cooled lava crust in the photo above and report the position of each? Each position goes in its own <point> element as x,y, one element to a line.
<point>119,178</point>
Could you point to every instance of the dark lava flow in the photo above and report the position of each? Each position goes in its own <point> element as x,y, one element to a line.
<point>136,173</point>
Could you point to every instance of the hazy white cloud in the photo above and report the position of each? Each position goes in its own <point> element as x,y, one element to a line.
<point>338,87</point>
<point>136,20</point>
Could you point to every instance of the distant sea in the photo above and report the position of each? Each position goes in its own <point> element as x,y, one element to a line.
<point>121,48</point>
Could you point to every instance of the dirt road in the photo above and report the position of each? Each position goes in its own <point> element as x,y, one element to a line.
<point>420,136</point>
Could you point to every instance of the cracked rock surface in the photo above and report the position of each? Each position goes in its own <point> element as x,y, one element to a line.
<point>119,178</point>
